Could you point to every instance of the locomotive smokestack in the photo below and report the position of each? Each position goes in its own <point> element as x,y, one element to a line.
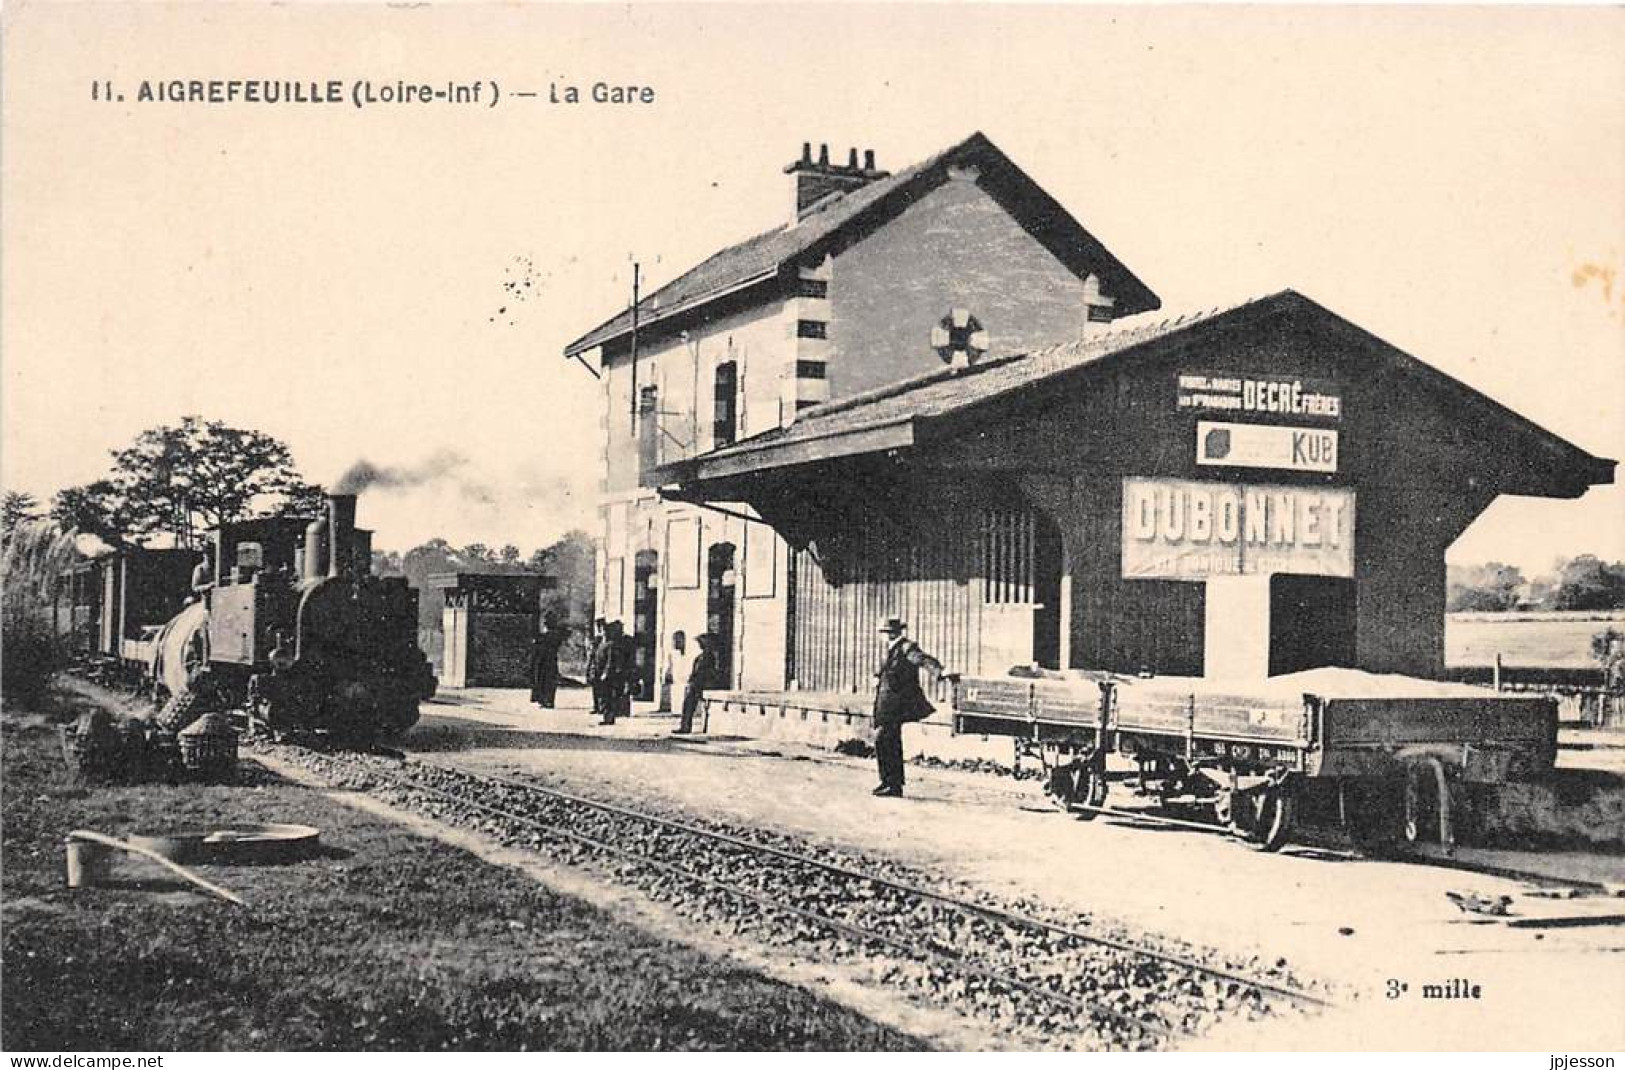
<point>361,552</point>
<point>341,530</point>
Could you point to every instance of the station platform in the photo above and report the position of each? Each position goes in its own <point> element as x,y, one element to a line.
<point>1329,914</point>
<point>817,720</point>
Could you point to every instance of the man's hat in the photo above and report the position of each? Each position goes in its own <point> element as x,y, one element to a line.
<point>894,626</point>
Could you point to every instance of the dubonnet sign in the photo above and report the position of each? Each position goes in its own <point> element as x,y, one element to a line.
<point>1187,530</point>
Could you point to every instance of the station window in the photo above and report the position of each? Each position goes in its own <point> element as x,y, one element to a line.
<point>812,288</point>
<point>1008,538</point>
<point>810,369</point>
<point>723,427</point>
<point>812,329</point>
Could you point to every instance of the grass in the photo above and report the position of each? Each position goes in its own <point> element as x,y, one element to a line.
<point>1552,640</point>
<point>389,942</point>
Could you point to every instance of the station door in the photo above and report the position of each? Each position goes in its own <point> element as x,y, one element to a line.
<point>1312,623</point>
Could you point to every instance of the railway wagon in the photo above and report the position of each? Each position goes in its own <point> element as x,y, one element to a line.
<point>1387,758</point>
<point>111,606</point>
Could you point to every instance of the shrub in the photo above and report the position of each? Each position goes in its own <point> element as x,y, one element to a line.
<point>31,566</point>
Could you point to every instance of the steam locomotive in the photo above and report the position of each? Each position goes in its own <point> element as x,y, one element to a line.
<point>283,612</point>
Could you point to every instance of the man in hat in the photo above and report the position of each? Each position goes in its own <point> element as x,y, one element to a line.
<point>544,663</point>
<point>597,655</point>
<point>617,669</point>
<point>702,675</point>
<point>899,699</point>
<point>203,575</point>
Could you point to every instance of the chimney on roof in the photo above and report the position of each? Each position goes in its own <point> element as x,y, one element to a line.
<point>811,182</point>
<point>1098,311</point>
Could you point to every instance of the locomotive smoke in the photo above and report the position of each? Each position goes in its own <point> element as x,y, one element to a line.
<point>440,467</point>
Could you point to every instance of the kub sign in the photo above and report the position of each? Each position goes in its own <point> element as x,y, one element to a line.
<point>1292,449</point>
<point>1188,530</point>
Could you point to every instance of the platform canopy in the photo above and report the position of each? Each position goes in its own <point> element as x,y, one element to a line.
<point>1095,407</point>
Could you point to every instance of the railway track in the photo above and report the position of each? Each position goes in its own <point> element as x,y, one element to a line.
<point>1027,975</point>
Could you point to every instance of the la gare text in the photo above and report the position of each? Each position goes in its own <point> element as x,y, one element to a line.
<point>601,93</point>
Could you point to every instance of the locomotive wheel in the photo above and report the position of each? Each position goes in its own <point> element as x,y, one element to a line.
<point>1078,784</point>
<point>1271,813</point>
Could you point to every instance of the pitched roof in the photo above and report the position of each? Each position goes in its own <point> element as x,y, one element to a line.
<point>777,251</point>
<point>886,417</point>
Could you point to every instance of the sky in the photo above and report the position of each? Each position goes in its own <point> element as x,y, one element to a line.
<point>1451,179</point>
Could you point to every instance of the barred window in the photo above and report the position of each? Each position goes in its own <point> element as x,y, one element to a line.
<point>1008,537</point>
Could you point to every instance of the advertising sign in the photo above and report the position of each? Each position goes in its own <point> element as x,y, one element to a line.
<point>1296,449</point>
<point>1268,395</point>
<point>1187,530</point>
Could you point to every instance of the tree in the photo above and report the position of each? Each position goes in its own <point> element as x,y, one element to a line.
<point>1483,588</point>
<point>1588,583</point>
<point>190,477</point>
<point>96,508</point>
<point>17,507</point>
<point>200,474</point>
<point>570,563</point>
<point>301,499</point>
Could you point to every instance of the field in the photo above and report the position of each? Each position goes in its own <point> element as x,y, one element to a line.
<point>387,942</point>
<point>1543,640</point>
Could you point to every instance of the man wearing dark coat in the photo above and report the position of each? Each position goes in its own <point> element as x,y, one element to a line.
<point>544,664</point>
<point>899,699</point>
<point>597,654</point>
<point>618,670</point>
<point>701,676</point>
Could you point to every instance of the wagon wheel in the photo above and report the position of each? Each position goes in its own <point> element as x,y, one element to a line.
<point>1224,809</point>
<point>1375,813</point>
<point>1427,803</point>
<point>1272,811</point>
<point>1078,784</point>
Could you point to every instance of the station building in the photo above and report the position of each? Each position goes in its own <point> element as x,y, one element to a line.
<point>935,395</point>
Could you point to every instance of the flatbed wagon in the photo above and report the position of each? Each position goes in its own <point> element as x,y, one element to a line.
<point>1386,757</point>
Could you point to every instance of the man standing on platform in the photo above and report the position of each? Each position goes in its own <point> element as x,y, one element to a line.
<point>597,654</point>
<point>618,669</point>
<point>899,699</point>
<point>544,664</point>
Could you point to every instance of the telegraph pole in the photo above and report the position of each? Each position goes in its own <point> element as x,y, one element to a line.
<point>636,279</point>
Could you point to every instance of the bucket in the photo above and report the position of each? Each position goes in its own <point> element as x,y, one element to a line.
<point>87,863</point>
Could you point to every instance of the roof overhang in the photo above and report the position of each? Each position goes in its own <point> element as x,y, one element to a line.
<point>807,454</point>
<point>661,316</point>
<point>747,458</point>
